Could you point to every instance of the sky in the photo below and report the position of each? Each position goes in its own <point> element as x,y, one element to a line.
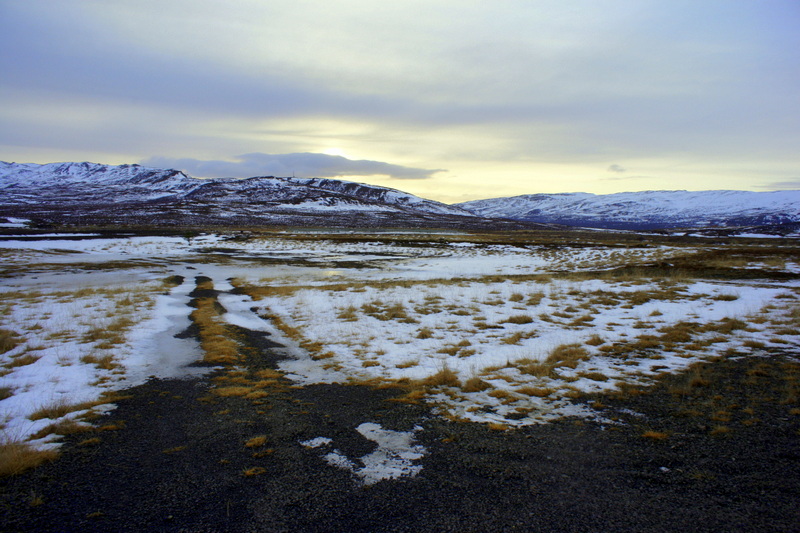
<point>453,100</point>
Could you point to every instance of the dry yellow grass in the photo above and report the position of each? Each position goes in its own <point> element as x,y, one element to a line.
<point>519,319</point>
<point>594,376</point>
<point>256,442</point>
<point>176,449</point>
<point>567,355</point>
<point>535,368</point>
<point>59,408</point>
<point>348,314</point>
<point>8,340</point>
<point>595,340</point>
<point>113,426</point>
<point>17,457</point>
<point>655,435</point>
<point>475,384</point>
<point>62,427</point>
<point>268,373</point>
<point>105,362</point>
<point>217,346</point>
<point>22,360</point>
<point>539,392</point>
<point>443,378</point>
<point>425,333</point>
<point>412,397</point>
<point>233,391</point>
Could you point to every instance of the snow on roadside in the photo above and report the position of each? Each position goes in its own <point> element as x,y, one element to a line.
<point>76,345</point>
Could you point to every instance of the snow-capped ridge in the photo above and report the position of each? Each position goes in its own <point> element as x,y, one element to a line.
<point>154,194</point>
<point>647,209</point>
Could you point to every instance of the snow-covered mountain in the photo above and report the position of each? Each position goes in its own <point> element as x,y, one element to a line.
<point>89,193</point>
<point>647,210</point>
<point>93,193</point>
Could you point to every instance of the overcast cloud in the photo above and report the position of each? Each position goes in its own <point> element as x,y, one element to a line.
<point>791,185</point>
<point>284,165</point>
<point>510,97</point>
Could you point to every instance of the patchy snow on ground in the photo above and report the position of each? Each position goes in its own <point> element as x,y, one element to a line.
<point>15,223</point>
<point>72,346</point>
<point>493,333</point>
<point>393,458</point>
<point>503,333</point>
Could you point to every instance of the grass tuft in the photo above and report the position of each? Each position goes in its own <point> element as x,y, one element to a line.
<point>475,384</point>
<point>256,442</point>
<point>59,408</point>
<point>719,431</point>
<point>233,391</point>
<point>17,457</point>
<point>443,378</point>
<point>538,392</point>
<point>567,355</point>
<point>518,319</point>
<point>8,341</point>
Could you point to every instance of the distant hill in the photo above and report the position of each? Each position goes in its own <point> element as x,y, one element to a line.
<point>95,194</point>
<point>777,211</point>
<point>89,193</point>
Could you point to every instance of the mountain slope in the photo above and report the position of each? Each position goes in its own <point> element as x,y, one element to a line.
<point>647,210</point>
<point>126,194</point>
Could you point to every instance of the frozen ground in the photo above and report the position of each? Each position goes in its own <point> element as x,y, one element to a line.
<point>502,334</point>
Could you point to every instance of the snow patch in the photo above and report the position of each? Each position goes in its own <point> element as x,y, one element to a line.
<point>394,457</point>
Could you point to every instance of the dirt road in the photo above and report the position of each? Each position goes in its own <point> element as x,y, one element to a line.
<point>179,461</point>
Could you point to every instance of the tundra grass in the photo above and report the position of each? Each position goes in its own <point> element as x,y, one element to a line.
<point>17,457</point>
<point>215,340</point>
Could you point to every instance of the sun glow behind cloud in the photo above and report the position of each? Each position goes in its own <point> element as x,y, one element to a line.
<point>510,98</point>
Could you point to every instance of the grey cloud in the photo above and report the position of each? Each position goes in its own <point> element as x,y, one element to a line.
<point>625,178</point>
<point>790,185</point>
<point>299,164</point>
<point>87,63</point>
<point>616,168</point>
<point>545,103</point>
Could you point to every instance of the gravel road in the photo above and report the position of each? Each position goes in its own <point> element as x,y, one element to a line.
<point>178,462</point>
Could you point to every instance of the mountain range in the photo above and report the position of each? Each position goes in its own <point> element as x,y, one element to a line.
<point>89,193</point>
<point>92,194</point>
<point>649,209</point>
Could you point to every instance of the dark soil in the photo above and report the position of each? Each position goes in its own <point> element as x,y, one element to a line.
<point>178,463</point>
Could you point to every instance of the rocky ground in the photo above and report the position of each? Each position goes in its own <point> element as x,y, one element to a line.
<point>716,449</point>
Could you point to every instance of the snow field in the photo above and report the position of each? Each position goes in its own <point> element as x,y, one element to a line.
<point>492,333</point>
<point>502,334</point>
<point>74,347</point>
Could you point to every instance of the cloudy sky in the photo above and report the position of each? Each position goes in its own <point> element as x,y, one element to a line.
<point>449,99</point>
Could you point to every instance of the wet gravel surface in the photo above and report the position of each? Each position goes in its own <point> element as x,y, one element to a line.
<point>178,459</point>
